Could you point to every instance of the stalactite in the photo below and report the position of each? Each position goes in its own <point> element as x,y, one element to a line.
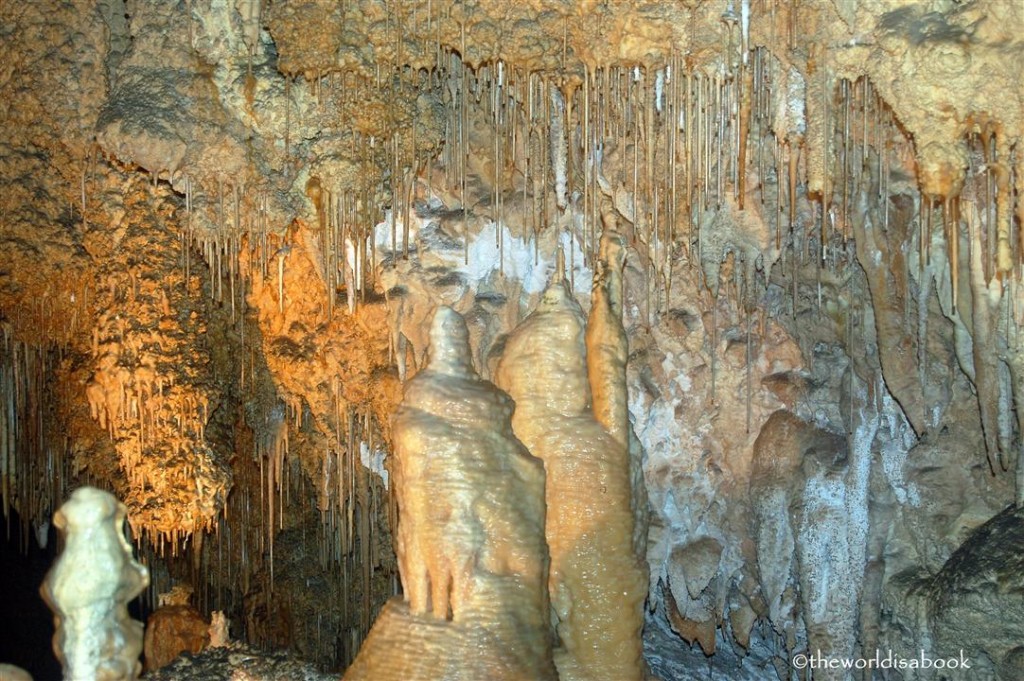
<point>923,295</point>
<point>714,345</point>
<point>34,471</point>
<point>744,90</point>
<point>984,298</point>
<point>880,254</point>
<point>1003,257</point>
<point>953,248</point>
<point>559,148</point>
<point>748,360</point>
<point>463,139</point>
<point>719,113</point>
<point>924,235</point>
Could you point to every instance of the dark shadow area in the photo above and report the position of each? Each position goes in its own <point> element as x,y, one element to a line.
<point>27,633</point>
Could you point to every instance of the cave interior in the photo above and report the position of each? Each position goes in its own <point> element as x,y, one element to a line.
<point>653,339</point>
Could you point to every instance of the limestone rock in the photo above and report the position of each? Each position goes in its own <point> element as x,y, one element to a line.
<point>976,602</point>
<point>235,662</point>
<point>807,500</point>
<point>172,630</point>
<point>698,561</point>
<point>776,463</point>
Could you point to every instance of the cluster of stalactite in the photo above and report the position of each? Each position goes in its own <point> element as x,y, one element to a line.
<point>150,386</point>
<point>303,493</point>
<point>34,461</point>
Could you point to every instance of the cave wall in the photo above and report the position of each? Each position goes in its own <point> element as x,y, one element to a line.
<point>226,226</point>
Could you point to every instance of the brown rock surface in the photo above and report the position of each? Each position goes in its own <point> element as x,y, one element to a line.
<point>171,631</point>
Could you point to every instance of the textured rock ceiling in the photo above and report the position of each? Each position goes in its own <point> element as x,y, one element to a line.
<point>225,224</point>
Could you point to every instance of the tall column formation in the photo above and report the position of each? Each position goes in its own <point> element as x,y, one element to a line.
<point>89,588</point>
<point>597,584</point>
<point>470,545</point>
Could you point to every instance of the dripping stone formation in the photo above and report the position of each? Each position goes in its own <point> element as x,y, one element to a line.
<point>553,340</point>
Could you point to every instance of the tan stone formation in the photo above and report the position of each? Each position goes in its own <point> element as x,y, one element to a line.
<point>470,544</point>
<point>150,386</point>
<point>597,585</point>
<point>89,588</point>
<point>172,630</point>
<point>608,354</point>
<point>9,672</point>
<point>219,630</point>
<point>175,627</point>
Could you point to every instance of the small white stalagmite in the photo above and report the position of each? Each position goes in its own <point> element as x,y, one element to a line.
<point>89,588</point>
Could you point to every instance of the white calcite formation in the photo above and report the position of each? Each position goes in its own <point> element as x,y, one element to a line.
<point>470,544</point>
<point>89,588</point>
<point>219,630</point>
<point>597,585</point>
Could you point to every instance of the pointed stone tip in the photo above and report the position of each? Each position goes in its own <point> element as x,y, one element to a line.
<point>559,266</point>
<point>611,241</point>
<point>449,343</point>
<point>556,296</point>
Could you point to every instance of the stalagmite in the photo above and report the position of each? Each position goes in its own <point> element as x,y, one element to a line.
<point>607,347</point>
<point>597,585</point>
<point>89,589</point>
<point>470,545</point>
<point>607,356</point>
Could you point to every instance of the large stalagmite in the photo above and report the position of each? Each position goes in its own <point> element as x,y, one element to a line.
<point>597,585</point>
<point>470,545</point>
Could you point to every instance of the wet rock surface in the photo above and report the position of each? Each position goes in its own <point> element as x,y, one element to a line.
<point>237,662</point>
